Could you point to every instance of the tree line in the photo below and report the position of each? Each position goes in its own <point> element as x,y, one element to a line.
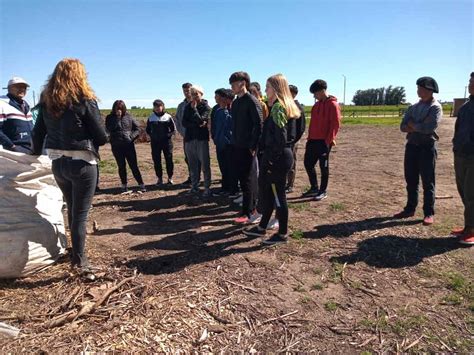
<point>381,96</point>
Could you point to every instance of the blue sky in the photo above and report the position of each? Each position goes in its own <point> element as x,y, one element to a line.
<point>141,50</point>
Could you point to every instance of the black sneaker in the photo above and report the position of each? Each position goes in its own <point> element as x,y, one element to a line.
<point>310,193</point>
<point>321,196</point>
<point>276,238</point>
<point>255,231</point>
<point>187,182</point>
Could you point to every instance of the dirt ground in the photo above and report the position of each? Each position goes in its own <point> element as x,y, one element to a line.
<point>351,279</point>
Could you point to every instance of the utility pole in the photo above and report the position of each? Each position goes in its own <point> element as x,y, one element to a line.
<point>344,97</point>
<point>465,91</point>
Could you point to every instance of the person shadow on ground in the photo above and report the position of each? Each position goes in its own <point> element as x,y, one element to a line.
<point>394,252</point>
<point>346,229</point>
<point>194,248</point>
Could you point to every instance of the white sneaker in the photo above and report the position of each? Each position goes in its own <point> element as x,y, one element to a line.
<point>273,224</point>
<point>239,199</point>
<point>255,218</point>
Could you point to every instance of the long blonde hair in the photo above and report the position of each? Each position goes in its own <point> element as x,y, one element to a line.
<point>66,86</point>
<point>282,91</point>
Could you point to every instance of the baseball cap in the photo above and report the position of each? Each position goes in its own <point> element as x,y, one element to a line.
<point>17,80</point>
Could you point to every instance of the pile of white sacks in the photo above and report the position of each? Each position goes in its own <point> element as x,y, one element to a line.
<point>32,232</point>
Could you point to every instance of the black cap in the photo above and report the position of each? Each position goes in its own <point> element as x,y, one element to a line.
<point>428,83</point>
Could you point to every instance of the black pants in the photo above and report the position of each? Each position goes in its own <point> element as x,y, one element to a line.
<point>464,169</point>
<point>254,181</point>
<point>244,163</point>
<point>77,181</point>
<point>317,150</point>
<point>224,158</point>
<point>420,160</point>
<point>96,147</point>
<point>126,153</point>
<point>277,178</point>
<point>292,173</point>
<point>167,148</point>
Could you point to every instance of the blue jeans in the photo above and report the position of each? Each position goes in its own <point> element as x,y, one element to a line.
<point>77,180</point>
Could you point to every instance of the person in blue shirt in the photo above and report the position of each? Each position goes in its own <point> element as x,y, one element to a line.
<point>221,134</point>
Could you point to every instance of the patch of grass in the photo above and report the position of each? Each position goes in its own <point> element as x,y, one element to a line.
<point>378,121</point>
<point>336,272</point>
<point>299,288</point>
<point>297,234</point>
<point>404,326</point>
<point>453,299</point>
<point>299,207</point>
<point>367,323</point>
<point>317,287</point>
<point>337,206</point>
<point>356,284</point>
<point>462,289</point>
<point>305,299</point>
<point>456,281</point>
<point>108,166</point>
<point>317,271</point>
<point>331,306</point>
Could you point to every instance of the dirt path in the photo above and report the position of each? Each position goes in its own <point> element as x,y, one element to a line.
<point>352,279</point>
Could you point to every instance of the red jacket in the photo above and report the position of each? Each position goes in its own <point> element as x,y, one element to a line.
<point>325,120</point>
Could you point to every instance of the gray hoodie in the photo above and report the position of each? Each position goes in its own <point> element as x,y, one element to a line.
<point>425,117</point>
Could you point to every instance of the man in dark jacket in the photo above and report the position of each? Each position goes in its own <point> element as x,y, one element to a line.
<point>15,118</point>
<point>420,123</point>
<point>247,116</point>
<point>195,120</point>
<point>463,147</point>
<point>300,126</point>
<point>161,127</point>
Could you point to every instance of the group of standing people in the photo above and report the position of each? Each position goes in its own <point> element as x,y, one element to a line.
<point>256,142</point>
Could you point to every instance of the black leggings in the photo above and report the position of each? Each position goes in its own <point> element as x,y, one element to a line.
<point>317,150</point>
<point>126,153</point>
<point>245,172</point>
<point>276,179</point>
<point>77,181</point>
<point>167,148</point>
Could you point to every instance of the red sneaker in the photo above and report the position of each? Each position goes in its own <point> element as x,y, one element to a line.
<point>428,220</point>
<point>467,239</point>
<point>242,219</point>
<point>457,232</point>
